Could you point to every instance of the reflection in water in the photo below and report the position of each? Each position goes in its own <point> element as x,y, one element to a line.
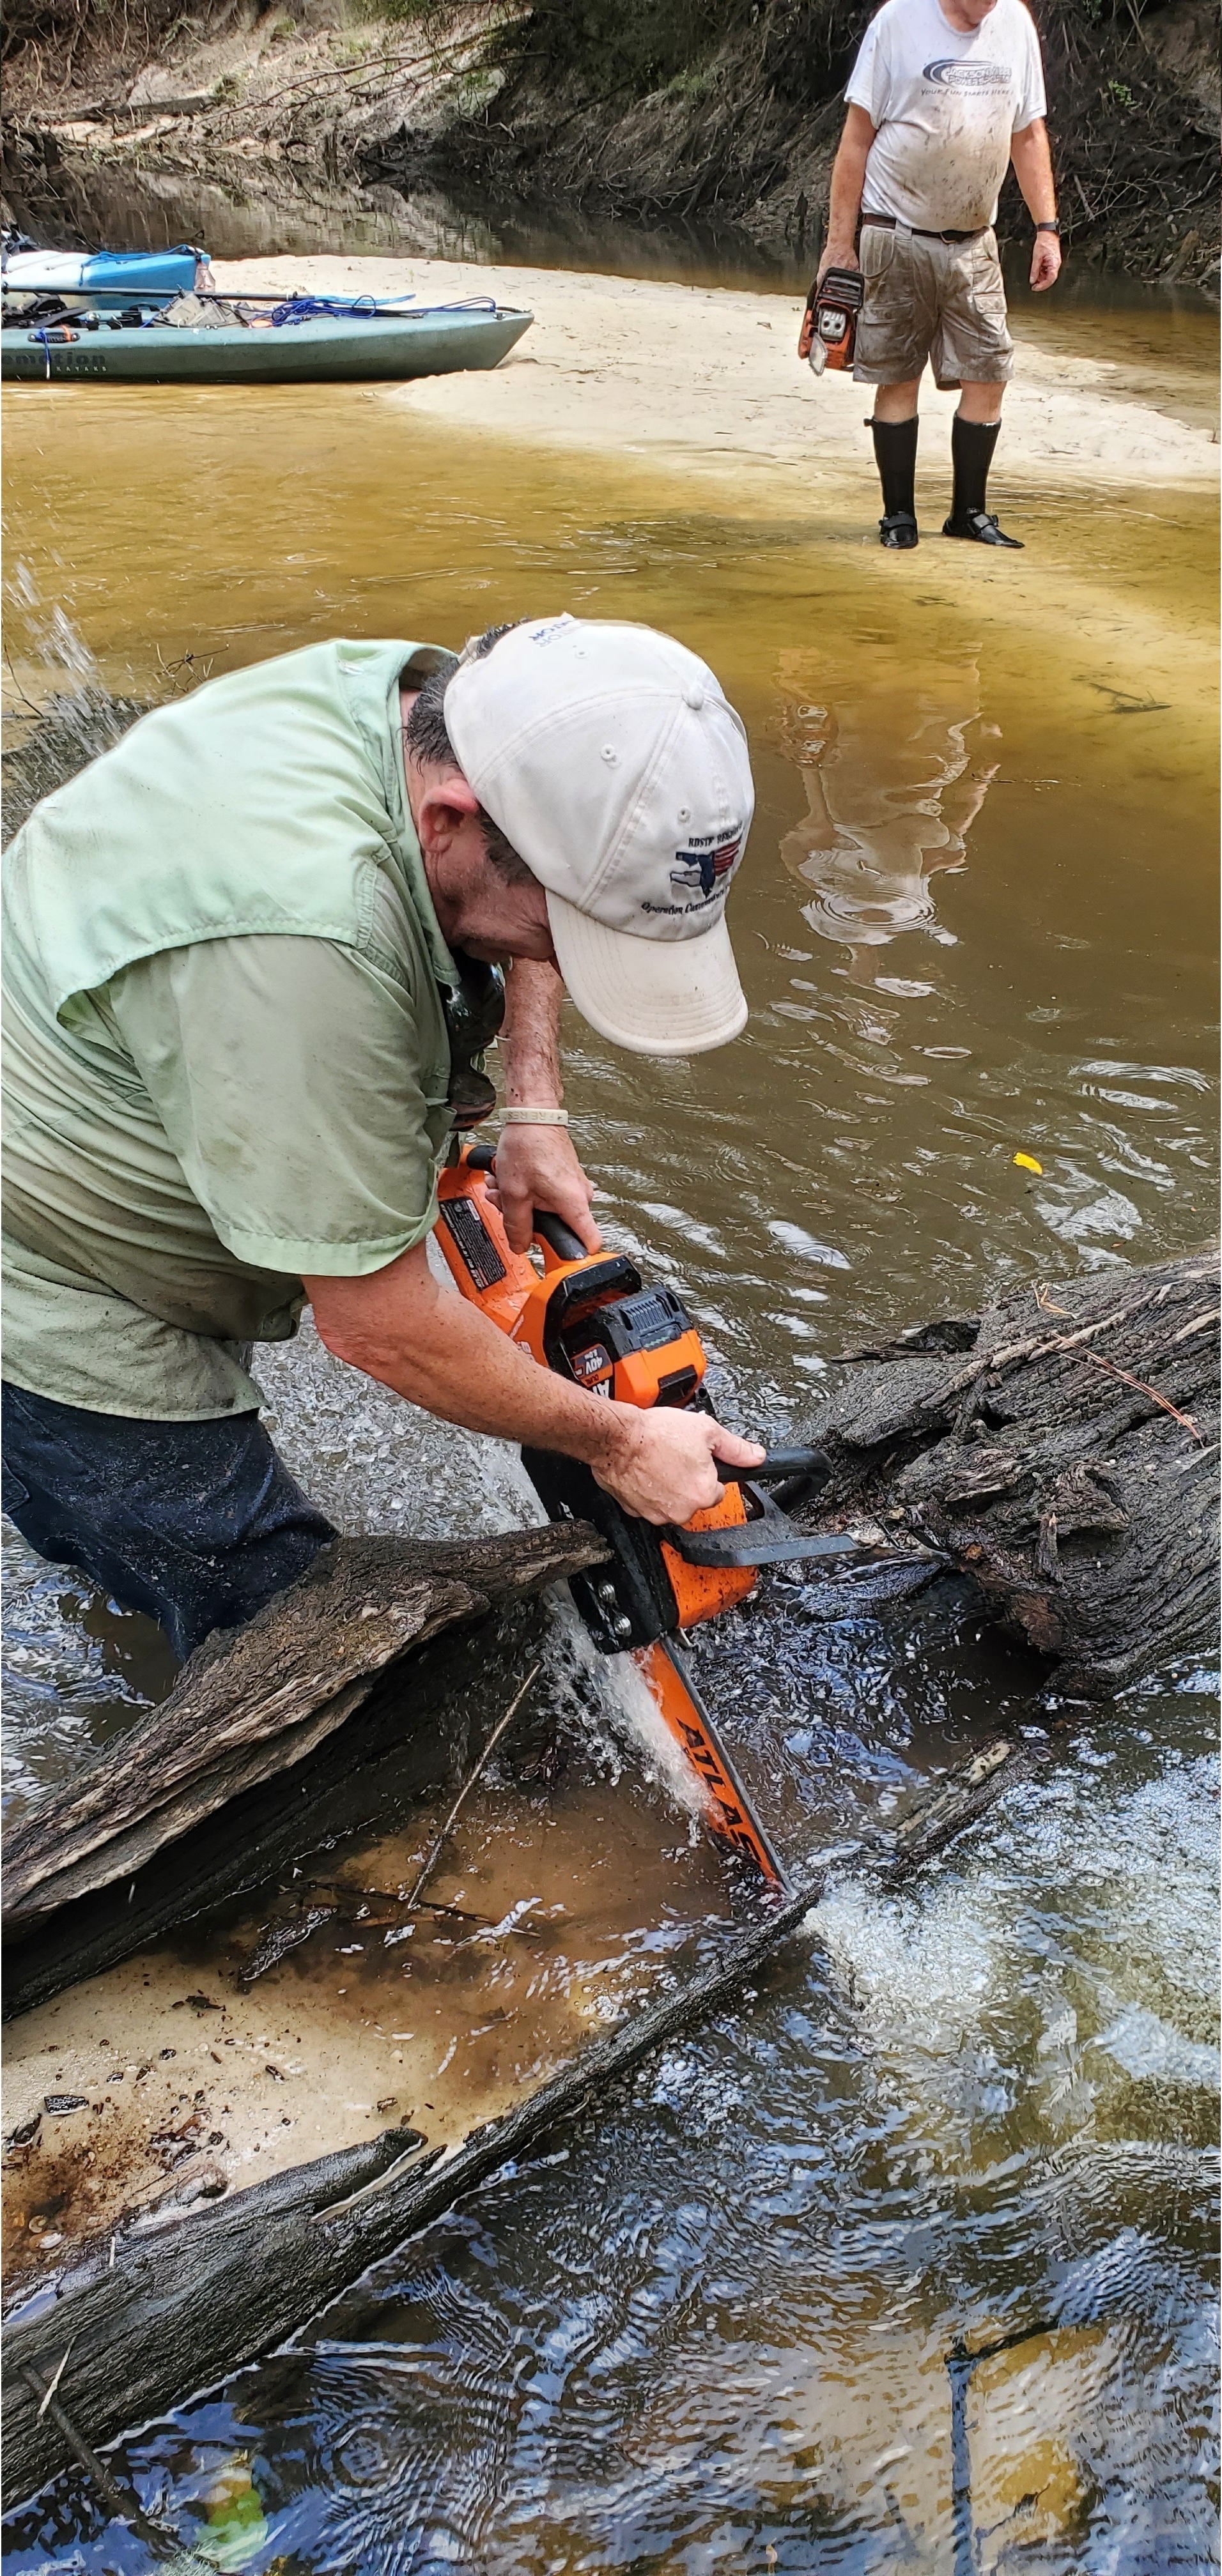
<point>394,2453</point>
<point>894,779</point>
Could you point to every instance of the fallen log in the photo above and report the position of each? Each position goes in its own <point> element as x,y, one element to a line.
<point>240,1769</point>
<point>1061,1448</point>
<point>143,2326</point>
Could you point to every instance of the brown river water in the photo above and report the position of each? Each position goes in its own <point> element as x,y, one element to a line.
<point>976,919</point>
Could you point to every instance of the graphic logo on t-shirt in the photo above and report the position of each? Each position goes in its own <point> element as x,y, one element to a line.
<point>948,73</point>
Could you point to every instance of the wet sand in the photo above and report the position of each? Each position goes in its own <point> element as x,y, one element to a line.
<point>709,379</point>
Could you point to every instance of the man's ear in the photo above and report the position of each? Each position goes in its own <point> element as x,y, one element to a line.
<point>442,810</point>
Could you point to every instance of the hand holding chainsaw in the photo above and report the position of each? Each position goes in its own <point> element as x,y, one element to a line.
<point>537,1167</point>
<point>440,1352</point>
<point>663,1455</point>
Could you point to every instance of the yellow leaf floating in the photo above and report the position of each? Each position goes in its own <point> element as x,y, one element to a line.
<point>1027,1163</point>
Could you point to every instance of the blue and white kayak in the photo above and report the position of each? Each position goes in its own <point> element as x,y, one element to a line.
<point>305,340</point>
<point>108,277</point>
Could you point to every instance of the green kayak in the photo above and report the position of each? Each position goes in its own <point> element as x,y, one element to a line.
<point>329,347</point>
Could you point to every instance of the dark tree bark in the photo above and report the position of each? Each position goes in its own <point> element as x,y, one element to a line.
<point>191,1809</point>
<point>1062,1448</point>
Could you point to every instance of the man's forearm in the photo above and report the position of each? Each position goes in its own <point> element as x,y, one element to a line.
<point>439,1352</point>
<point>1032,160</point>
<point>535,1164</point>
<point>442,1354</point>
<point>530,1038</point>
<point>848,181</point>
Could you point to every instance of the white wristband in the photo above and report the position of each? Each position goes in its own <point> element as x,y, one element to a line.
<point>535,1117</point>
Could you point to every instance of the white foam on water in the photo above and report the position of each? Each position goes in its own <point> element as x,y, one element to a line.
<point>952,1969</point>
<point>1144,2045</point>
<point>617,1711</point>
<point>916,1970</point>
<point>378,1464</point>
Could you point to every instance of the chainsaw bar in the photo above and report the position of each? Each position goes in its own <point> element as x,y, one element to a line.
<point>728,1813</point>
<point>752,1545</point>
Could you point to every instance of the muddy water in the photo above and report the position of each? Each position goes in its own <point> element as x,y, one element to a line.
<point>974,920</point>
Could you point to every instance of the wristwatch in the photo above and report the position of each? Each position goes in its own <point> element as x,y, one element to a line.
<point>1048,228</point>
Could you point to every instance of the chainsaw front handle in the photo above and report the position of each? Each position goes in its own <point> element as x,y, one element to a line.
<point>777,1467</point>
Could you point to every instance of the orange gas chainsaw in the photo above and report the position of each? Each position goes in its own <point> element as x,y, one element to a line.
<point>591,1317</point>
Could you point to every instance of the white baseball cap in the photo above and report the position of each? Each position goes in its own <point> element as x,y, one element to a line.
<point>612,761</point>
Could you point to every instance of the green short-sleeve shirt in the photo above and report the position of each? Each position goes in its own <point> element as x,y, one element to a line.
<point>235,1105</point>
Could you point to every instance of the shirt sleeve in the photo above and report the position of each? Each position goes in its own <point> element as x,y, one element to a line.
<point>1032,101</point>
<point>287,1074</point>
<point>869,80</point>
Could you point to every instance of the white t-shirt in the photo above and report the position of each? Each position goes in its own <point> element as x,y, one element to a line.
<point>945,106</point>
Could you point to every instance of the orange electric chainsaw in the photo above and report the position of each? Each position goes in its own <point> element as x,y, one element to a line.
<point>591,1317</point>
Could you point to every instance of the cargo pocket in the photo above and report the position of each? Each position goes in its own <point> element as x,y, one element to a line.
<point>876,253</point>
<point>987,283</point>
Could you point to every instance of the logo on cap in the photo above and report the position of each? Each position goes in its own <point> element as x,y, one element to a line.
<point>705,868</point>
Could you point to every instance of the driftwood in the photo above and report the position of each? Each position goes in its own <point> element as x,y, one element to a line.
<point>1062,1448</point>
<point>150,2325</point>
<point>191,1809</point>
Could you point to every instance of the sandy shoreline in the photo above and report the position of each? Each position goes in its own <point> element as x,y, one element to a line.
<point>708,379</point>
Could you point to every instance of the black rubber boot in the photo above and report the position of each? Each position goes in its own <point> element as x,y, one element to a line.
<point>971,445</point>
<point>981,527</point>
<point>895,447</point>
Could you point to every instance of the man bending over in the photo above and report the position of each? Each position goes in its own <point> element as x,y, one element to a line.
<point>233,961</point>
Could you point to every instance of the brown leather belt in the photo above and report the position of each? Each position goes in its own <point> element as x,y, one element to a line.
<point>889,225</point>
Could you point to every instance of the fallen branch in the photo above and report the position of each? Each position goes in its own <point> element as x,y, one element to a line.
<point>357,1685</point>
<point>253,1705</point>
<point>441,1838</point>
<point>1098,1361</point>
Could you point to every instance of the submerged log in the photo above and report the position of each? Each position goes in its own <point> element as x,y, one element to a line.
<point>191,1809</point>
<point>148,2323</point>
<point>1061,1448</point>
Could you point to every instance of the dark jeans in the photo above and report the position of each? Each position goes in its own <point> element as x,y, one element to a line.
<point>196,1523</point>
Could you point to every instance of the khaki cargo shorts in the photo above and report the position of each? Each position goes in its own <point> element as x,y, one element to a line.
<point>931,300</point>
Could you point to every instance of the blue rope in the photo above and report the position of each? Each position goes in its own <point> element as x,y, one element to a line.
<point>305,308</point>
<point>365,308</point>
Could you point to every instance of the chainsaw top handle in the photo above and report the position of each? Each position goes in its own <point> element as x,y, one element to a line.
<point>776,1468</point>
<point>548,1229</point>
<point>807,1467</point>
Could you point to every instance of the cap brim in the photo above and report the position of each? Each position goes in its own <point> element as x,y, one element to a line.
<point>652,996</point>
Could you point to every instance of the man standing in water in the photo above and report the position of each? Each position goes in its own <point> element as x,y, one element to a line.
<point>944,93</point>
<point>233,960</point>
